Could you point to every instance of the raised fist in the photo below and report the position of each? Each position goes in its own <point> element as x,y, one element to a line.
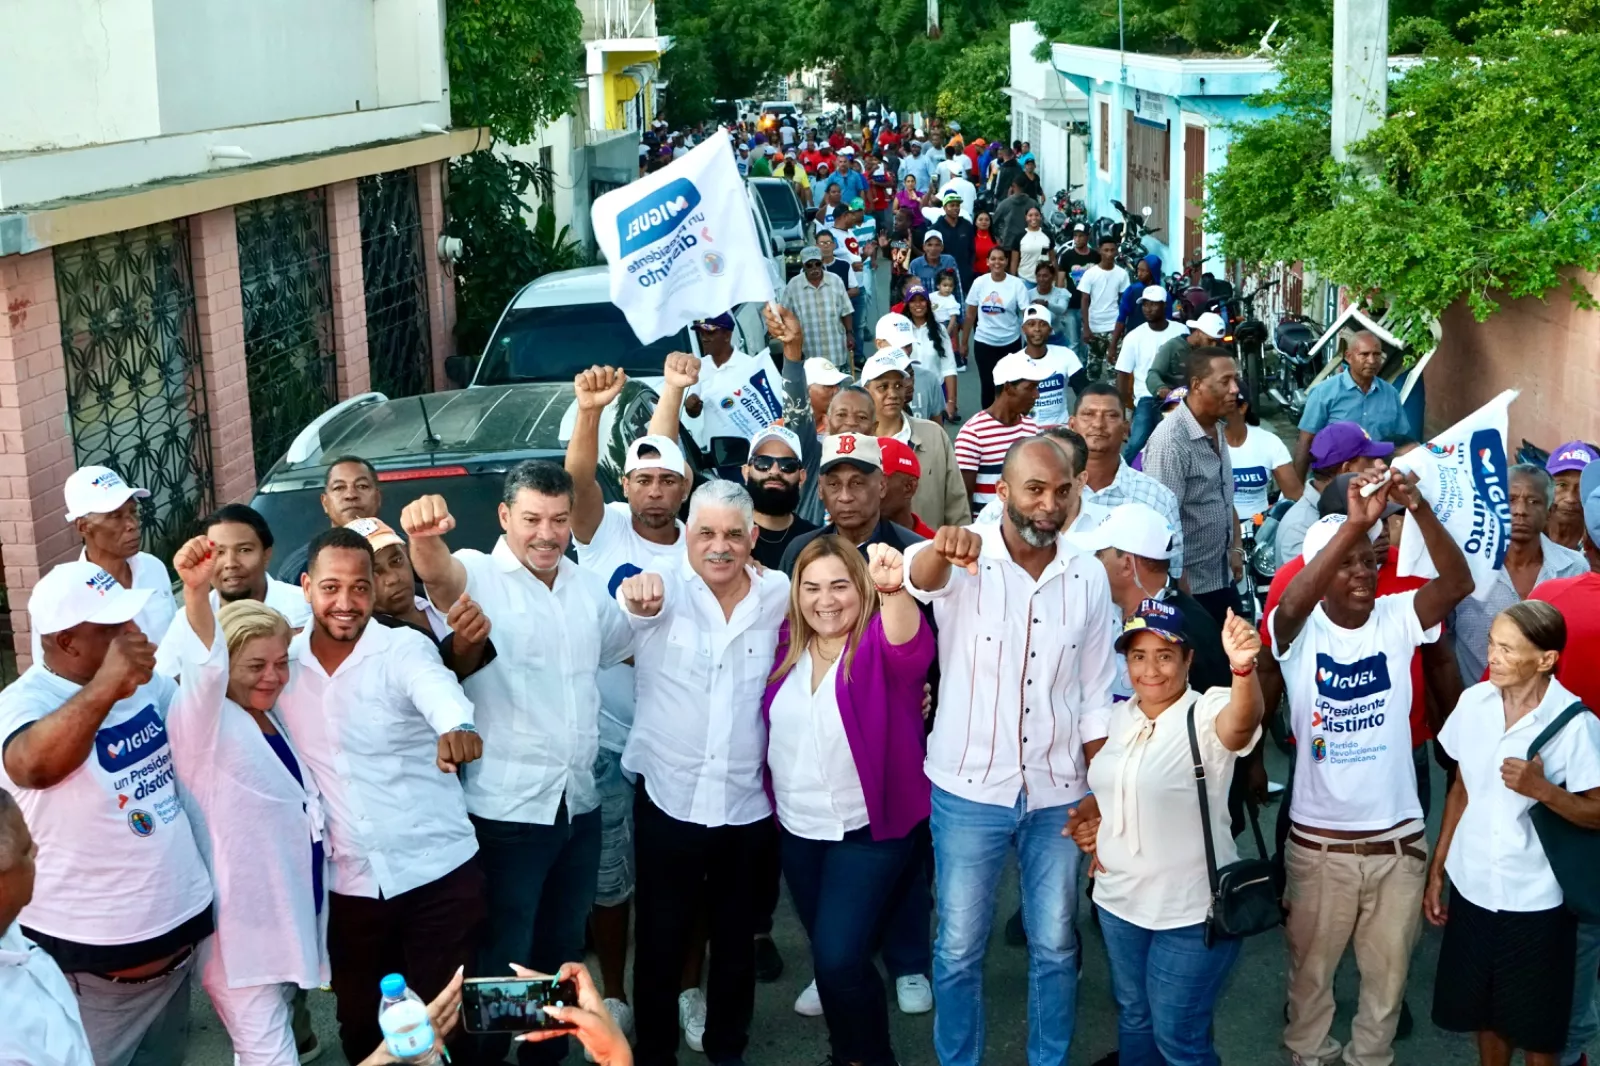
<point>886,565</point>
<point>1240,641</point>
<point>129,662</point>
<point>681,370</point>
<point>782,323</point>
<point>642,593</point>
<point>598,386</point>
<point>467,621</point>
<point>427,516</point>
<point>195,563</point>
<point>959,545</point>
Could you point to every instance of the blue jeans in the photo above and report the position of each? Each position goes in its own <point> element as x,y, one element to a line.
<point>907,947</point>
<point>1072,328</point>
<point>864,335</point>
<point>842,890</point>
<point>970,843</point>
<point>1585,1022</point>
<point>1166,983</point>
<point>539,883</point>
<point>1146,416</point>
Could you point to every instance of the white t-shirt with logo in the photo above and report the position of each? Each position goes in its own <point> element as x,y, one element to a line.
<point>1253,463</point>
<point>1350,709</point>
<point>118,863</point>
<point>1050,409</point>
<point>1105,289</point>
<point>1138,352</point>
<point>738,398</point>
<point>616,552</point>
<point>999,305</point>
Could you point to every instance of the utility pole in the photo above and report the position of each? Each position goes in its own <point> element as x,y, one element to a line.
<point>1360,71</point>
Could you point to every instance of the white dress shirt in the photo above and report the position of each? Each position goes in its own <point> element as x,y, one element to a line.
<point>698,739</point>
<point>370,734</point>
<point>814,776</point>
<point>537,705</point>
<point>1026,672</point>
<point>42,1025</point>
<point>1495,858</point>
<point>253,821</point>
<point>156,615</point>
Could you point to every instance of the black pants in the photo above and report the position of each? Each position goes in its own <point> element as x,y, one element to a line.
<point>682,866</point>
<point>425,934</point>
<point>987,355</point>
<point>1218,601</point>
<point>769,871</point>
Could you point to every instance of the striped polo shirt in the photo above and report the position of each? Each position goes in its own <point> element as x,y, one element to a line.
<point>981,446</point>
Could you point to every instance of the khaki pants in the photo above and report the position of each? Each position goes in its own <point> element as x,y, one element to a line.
<point>1374,901</point>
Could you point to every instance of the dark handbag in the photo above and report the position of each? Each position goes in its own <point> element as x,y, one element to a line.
<point>1243,899</point>
<point>1573,851</point>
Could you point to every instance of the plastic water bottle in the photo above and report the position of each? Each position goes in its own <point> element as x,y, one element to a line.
<point>403,1017</point>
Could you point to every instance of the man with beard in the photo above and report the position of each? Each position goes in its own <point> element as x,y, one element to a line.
<point>533,798</point>
<point>242,543</point>
<point>1566,514</point>
<point>1008,745</point>
<point>775,475</point>
<point>384,725</point>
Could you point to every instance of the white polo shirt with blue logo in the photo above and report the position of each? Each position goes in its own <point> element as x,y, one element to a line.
<point>1350,709</point>
<point>1253,463</point>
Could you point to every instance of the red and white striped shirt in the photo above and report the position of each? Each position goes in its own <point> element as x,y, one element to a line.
<point>981,446</point>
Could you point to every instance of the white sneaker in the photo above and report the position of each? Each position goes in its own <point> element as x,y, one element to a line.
<point>914,993</point>
<point>620,1013</point>
<point>692,1018</point>
<point>809,1003</point>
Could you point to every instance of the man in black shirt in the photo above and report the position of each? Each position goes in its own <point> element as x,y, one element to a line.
<point>774,475</point>
<point>960,237</point>
<point>852,491</point>
<point>1073,262</point>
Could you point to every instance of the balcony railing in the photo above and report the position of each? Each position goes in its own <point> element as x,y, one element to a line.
<point>612,19</point>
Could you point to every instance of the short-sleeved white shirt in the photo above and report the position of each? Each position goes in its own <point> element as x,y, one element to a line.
<point>1050,409</point>
<point>616,552</point>
<point>999,305</point>
<point>1350,709</point>
<point>1104,288</point>
<point>1253,463</point>
<point>1495,858</point>
<point>1139,349</point>
<point>1150,839</point>
<point>739,397</point>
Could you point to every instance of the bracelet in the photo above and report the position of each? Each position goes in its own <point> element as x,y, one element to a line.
<point>890,591</point>
<point>1246,672</point>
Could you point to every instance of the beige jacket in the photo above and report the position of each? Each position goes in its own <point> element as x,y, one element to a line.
<point>941,497</point>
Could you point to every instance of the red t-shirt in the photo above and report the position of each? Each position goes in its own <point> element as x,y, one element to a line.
<point>836,139</point>
<point>888,137</point>
<point>1578,600</point>
<point>1389,583</point>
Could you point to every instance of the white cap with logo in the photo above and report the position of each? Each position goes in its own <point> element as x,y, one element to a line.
<point>668,457</point>
<point>1019,367</point>
<point>78,592</point>
<point>1153,294</point>
<point>820,371</point>
<point>884,361</point>
<point>781,434</point>
<point>1037,311</point>
<point>1210,324</point>
<point>894,330</point>
<point>98,490</point>
<point>857,448</point>
<point>1134,528</point>
<point>1322,532</point>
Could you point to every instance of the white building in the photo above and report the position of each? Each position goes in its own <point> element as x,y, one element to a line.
<point>1048,112</point>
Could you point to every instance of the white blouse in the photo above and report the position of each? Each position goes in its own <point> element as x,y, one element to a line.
<point>1150,842</point>
<point>814,777</point>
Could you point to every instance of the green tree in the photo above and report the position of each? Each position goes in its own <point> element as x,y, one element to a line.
<point>969,91</point>
<point>723,49</point>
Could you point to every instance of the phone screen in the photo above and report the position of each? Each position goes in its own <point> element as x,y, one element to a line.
<point>513,1004</point>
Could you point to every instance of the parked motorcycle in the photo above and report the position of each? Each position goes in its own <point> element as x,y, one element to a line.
<point>1134,228</point>
<point>1293,364</point>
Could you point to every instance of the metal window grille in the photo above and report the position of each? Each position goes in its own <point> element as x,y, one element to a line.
<point>1149,173</point>
<point>8,648</point>
<point>136,397</point>
<point>399,348</point>
<point>288,317</point>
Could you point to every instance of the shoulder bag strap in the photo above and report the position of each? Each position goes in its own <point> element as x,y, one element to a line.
<point>1556,726</point>
<point>1205,801</point>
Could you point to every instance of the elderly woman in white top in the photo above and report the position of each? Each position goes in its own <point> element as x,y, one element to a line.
<point>1506,964</point>
<point>255,811</point>
<point>1142,825</point>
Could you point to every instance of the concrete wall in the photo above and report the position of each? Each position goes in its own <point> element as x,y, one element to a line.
<point>1549,348</point>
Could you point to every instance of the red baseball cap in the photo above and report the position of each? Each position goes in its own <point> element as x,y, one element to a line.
<point>898,458</point>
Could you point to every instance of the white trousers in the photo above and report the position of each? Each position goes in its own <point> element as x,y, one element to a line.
<point>257,1017</point>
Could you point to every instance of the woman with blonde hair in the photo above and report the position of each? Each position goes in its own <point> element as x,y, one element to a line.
<point>255,811</point>
<point>845,747</point>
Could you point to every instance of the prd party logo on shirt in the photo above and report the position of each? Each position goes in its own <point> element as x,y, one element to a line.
<point>1351,698</point>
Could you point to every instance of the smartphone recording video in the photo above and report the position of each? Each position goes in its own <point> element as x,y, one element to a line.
<point>514,1004</point>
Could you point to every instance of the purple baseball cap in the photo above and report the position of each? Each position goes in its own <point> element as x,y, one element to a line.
<point>1573,455</point>
<point>722,321</point>
<point>1339,442</point>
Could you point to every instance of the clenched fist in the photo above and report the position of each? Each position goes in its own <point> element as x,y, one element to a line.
<point>598,386</point>
<point>195,563</point>
<point>642,594</point>
<point>886,566</point>
<point>129,662</point>
<point>959,545</point>
<point>426,516</point>
<point>1240,641</point>
<point>467,621</point>
<point>681,370</point>
<point>456,748</point>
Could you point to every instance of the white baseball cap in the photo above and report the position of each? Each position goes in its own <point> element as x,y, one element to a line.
<point>1018,367</point>
<point>1153,294</point>
<point>1211,325</point>
<point>669,456</point>
<point>379,534</point>
<point>819,371</point>
<point>884,361</point>
<point>1037,311</point>
<point>859,448</point>
<point>98,490</point>
<point>1322,532</point>
<point>894,330</point>
<point>1134,528</point>
<point>781,434</point>
<point>78,592</point>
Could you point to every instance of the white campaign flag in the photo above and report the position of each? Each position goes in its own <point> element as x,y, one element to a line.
<point>1462,474</point>
<point>681,243</point>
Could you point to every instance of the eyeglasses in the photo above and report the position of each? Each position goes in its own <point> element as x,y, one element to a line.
<point>762,463</point>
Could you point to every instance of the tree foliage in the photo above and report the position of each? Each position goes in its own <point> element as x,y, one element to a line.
<point>512,63</point>
<point>1484,177</point>
<point>969,91</point>
<point>722,49</point>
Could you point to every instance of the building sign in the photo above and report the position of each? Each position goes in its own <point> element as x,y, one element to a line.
<point>1150,108</point>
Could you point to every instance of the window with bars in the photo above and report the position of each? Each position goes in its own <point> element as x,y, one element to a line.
<point>1103,137</point>
<point>399,346</point>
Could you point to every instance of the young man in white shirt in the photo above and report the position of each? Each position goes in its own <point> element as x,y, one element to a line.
<point>706,630</point>
<point>1134,356</point>
<point>734,394</point>
<point>1026,660</point>
<point>384,726</point>
<point>532,798</point>
<point>123,898</point>
<point>1063,371</point>
<point>1357,853</point>
<point>1101,287</point>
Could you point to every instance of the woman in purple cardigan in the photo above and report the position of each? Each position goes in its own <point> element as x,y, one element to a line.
<point>844,764</point>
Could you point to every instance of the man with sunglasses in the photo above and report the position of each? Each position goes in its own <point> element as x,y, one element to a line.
<point>774,475</point>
